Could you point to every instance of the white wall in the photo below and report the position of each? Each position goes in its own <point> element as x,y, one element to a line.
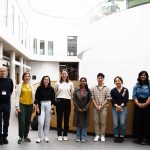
<point>44,68</point>
<point>119,45</point>
<point>37,26</point>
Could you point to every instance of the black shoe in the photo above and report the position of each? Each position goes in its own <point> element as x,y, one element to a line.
<point>138,141</point>
<point>148,141</point>
<point>20,140</point>
<point>1,141</point>
<point>144,142</point>
<point>5,141</point>
<point>121,139</point>
<point>26,139</point>
<point>116,140</point>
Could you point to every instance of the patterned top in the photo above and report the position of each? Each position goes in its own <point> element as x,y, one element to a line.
<point>100,94</point>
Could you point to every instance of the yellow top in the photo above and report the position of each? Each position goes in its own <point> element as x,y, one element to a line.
<point>26,94</point>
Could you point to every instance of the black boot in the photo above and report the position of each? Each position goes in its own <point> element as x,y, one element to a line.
<point>5,141</point>
<point>116,140</point>
<point>1,141</point>
<point>121,139</point>
<point>138,140</point>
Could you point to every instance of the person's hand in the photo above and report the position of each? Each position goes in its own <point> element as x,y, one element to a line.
<point>144,105</point>
<point>34,106</point>
<point>119,108</point>
<point>100,107</point>
<point>37,109</point>
<point>52,111</point>
<point>97,108</point>
<point>140,105</point>
<point>18,109</point>
<point>80,110</point>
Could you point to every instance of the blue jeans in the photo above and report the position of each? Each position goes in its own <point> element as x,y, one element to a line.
<point>119,122</point>
<point>81,133</point>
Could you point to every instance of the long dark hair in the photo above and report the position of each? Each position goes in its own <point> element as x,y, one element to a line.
<point>42,82</point>
<point>139,78</point>
<point>67,79</point>
<point>86,86</point>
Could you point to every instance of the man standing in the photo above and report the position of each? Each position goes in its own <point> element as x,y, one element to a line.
<point>6,89</point>
<point>100,96</point>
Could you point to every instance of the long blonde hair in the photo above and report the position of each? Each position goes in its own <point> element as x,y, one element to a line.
<point>67,79</point>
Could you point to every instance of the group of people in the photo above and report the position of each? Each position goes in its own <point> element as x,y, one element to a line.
<point>45,98</point>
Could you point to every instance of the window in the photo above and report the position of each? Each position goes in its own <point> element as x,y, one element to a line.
<point>26,38</point>
<point>6,13</point>
<point>13,19</point>
<point>133,3</point>
<point>50,47</point>
<point>72,68</point>
<point>35,46</point>
<point>34,77</point>
<point>22,33</point>
<point>29,41</point>
<point>42,47</point>
<point>18,27</point>
<point>72,45</point>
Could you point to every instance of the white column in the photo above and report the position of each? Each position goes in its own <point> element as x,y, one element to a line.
<point>1,53</point>
<point>24,69</point>
<point>12,66</point>
<point>20,69</point>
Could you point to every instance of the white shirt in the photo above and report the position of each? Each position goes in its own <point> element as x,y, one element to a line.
<point>64,90</point>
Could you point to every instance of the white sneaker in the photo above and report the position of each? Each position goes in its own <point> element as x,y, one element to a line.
<point>77,140</point>
<point>96,139</point>
<point>59,138</point>
<point>46,139</point>
<point>38,140</point>
<point>65,138</point>
<point>83,140</point>
<point>102,138</point>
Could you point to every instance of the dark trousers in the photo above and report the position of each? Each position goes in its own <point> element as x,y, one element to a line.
<point>4,119</point>
<point>24,120</point>
<point>63,108</point>
<point>141,127</point>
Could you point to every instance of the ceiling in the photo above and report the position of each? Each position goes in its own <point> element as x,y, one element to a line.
<point>68,9</point>
<point>8,48</point>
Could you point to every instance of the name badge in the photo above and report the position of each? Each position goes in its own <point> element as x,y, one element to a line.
<point>3,92</point>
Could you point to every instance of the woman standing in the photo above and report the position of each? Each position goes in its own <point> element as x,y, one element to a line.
<point>44,101</point>
<point>25,97</point>
<point>120,96</point>
<point>82,98</point>
<point>64,90</point>
<point>141,97</point>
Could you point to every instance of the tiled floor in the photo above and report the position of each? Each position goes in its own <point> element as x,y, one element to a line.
<point>64,145</point>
